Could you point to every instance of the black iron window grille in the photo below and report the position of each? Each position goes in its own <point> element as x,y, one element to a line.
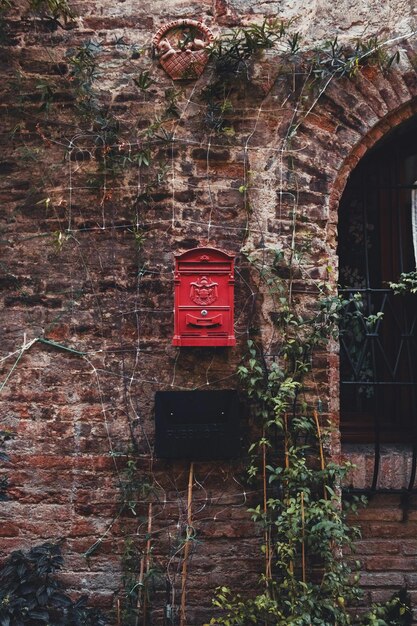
<point>378,329</point>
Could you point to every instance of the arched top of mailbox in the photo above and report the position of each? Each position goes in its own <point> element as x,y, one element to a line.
<point>204,255</point>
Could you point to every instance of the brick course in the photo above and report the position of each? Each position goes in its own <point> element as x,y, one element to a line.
<point>104,295</point>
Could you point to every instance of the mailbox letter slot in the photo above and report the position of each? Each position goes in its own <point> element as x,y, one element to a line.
<point>204,298</point>
<point>217,320</point>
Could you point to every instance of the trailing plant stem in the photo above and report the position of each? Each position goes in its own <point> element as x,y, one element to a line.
<point>183,615</point>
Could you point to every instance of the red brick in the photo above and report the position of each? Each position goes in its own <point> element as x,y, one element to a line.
<point>9,530</point>
<point>105,294</point>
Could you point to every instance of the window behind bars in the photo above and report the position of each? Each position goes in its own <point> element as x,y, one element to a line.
<point>378,329</point>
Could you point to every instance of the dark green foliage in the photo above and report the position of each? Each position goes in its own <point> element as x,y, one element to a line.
<point>52,8</point>
<point>135,487</point>
<point>395,612</point>
<point>172,110</point>
<point>336,59</point>
<point>138,591</point>
<point>47,9</point>
<point>82,64</point>
<point>5,5</point>
<point>232,52</point>
<point>407,283</point>
<point>46,91</point>
<point>4,484</point>
<point>307,579</point>
<point>5,435</point>
<point>144,80</point>
<point>31,595</point>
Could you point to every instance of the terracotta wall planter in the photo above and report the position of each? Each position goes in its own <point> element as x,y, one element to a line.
<point>181,46</point>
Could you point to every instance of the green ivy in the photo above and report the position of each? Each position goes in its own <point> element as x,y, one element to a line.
<point>406,284</point>
<point>395,612</point>
<point>310,575</point>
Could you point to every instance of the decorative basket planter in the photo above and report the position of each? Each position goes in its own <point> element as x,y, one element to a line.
<point>181,48</point>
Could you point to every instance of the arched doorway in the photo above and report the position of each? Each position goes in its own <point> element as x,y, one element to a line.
<point>378,345</point>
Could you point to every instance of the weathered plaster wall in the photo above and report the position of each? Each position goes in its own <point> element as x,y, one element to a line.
<point>72,271</point>
<point>321,19</point>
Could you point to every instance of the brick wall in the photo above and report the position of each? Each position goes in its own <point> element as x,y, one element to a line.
<point>76,271</point>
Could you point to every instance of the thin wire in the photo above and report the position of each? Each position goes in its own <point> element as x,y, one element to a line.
<point>131,377</point>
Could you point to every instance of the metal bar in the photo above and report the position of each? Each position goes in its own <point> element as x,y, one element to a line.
<point>380,490</point>
<point>354,290</point>
<point>377,253</point>
<point>376,416</point>
<point>413,407</point>
<point>393,186</point>
<point>377,428</point>
<point>384,356</point>
<point>413,462</point>
<point>371,383</point>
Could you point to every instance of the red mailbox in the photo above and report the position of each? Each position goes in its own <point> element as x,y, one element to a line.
<point>203,303</point>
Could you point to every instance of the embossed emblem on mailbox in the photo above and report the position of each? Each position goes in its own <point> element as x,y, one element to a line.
<point>204,294</point>
<point>204,291</point>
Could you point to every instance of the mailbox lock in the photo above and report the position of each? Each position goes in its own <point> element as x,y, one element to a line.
<point>204,312</point>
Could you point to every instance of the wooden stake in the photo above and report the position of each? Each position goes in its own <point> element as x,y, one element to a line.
<point>148,543</point>
<point>319,438</point>
<point>144,568</point>
<point>287,465</point>
<point>186,546</point>
<point>267,534</point>
<point>303,549</point>
<point>286,456</point>
<point>316,419</point>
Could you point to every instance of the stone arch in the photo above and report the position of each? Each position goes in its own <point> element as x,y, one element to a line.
<point>348,121</point>
<point>351,116</point>
<point>312,168</point>
<point>377,132</point>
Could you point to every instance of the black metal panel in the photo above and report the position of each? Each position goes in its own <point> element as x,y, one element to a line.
<point>197,425</point>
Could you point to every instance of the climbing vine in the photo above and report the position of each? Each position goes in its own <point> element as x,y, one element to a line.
<point>306,578</point>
